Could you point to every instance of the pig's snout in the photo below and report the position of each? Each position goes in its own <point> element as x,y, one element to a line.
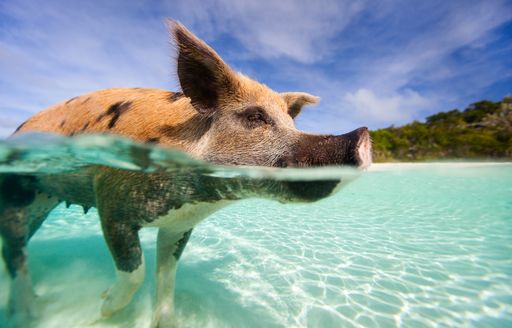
<point>353,149</point>
<point>359,146</point>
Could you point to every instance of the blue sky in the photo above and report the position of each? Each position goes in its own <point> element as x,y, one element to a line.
<point>373,63</point>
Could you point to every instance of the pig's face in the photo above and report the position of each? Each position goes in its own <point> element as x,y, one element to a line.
<point>254,130</point>
<point>246,123</point>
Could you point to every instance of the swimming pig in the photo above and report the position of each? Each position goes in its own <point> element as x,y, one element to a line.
<point>220,116</point>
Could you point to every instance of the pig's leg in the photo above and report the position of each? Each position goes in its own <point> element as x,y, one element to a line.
<point>22,211</point>
<point>124,244</point>
<point>14,231</point>
<point>170,246</point>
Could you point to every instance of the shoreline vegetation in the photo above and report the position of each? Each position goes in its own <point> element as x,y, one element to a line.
<point>483,131</point>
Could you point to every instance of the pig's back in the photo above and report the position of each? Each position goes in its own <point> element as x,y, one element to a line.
<point>140,114</point>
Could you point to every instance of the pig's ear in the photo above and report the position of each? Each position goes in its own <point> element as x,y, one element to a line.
<point>203,75</point>
<point>296,100</point>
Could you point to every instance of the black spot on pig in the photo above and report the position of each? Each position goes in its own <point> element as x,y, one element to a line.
<point>153,140</point>
<point>115,111</point>
<point>86,125</point>
<point>19,127</point>
<point>70,100</point>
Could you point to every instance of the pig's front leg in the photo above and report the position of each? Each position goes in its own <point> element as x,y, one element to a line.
<point>129,261</point>
<point>123,241</point>
<point>170,246</point>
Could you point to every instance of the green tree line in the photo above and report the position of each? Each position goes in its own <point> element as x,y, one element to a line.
<point>481,131</point>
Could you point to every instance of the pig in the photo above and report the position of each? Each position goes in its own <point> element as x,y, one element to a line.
<point>219,116</point>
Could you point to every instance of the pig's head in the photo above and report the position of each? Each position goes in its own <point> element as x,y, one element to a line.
<point>246,123</point>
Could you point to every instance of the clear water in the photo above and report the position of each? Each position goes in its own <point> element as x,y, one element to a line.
<point>398,246</point>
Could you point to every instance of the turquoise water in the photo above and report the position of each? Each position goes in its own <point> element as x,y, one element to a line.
<point>399,246</point>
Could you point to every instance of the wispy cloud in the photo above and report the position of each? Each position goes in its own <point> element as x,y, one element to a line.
<point>297,30</point>
<point>390,108</point>
<point>403,75</point>
<point>373,64</point>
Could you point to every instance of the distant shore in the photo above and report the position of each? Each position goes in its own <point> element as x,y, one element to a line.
<point>415,165</point>
<point>481,132</point>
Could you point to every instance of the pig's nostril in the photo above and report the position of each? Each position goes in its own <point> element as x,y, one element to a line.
<point>281,163</point>
<point>364,148</point>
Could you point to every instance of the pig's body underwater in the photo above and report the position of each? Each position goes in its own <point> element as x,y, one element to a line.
<point>220,116</point>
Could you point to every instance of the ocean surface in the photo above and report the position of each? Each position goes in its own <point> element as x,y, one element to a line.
<point>402,245</point>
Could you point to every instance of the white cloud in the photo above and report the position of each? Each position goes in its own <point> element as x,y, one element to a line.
<point>298,30</point>
<point>380,94</point>
<point>425,54</point>
<point>395,108</point>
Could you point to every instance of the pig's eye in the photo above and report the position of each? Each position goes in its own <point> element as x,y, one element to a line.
<point>255,116</point>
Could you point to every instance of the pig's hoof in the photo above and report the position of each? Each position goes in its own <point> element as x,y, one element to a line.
<point>115,299</point>
<point>20,320</point>
<point>21,311</point>
<point>164,317</point>
<point>20,316</point>
<point>165,324</point>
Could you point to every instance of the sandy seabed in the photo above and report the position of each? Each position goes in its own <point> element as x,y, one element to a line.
<point>412,245</point>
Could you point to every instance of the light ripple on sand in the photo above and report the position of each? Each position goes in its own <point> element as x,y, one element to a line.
<point>412,248</point>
